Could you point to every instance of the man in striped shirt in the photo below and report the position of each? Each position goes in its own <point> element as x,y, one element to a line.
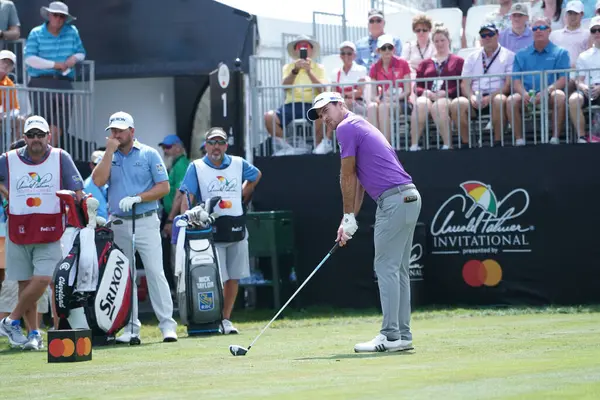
<point>52,50</point>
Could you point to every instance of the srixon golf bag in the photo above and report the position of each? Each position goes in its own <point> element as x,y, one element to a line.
<point>104,303</point>
<point>199,285</point>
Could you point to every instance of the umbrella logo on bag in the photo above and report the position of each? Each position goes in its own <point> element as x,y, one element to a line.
<point>478,221</point>
<point>206,301</point>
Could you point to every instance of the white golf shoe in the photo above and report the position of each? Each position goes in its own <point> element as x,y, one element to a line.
<point>126,337</point>
<point>381,343</point>
<point>228,328</point>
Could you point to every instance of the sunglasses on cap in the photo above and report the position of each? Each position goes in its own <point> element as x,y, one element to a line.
<point>36,132</point>
<point>375,21</point>
<point>594,30</point>
<point>540,28</point>
<point>386,47</point>
<point>420,30</point>
<point>487,35</point>
<point>213,142</point>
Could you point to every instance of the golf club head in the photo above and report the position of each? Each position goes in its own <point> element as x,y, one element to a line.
<point>237,350</point>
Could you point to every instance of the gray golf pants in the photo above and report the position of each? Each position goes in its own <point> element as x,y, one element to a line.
<point>395,220</point>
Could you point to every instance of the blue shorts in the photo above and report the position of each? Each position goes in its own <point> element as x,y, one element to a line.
<point>291,111</point>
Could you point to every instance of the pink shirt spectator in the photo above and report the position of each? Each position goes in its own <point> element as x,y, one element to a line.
<point>453,66</point>
<point>397,69</point>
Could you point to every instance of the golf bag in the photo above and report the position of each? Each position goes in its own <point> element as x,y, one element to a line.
<point>106,308</point>
<point>199,284</point>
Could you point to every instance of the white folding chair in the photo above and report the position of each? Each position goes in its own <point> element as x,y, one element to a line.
<point>452,19</point>
<point>399,25</point>
<point>476,16</point>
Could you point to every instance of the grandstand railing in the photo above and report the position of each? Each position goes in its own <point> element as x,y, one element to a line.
<point>536,122</point>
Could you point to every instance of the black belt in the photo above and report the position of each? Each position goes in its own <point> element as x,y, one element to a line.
<point>395,190</point>
<point>137,216</point>
<point>55,77</point>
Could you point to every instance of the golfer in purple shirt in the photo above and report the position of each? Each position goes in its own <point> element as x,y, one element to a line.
<point>370,164</point>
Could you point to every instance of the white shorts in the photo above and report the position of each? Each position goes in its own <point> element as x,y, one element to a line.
<point>9,295</point>
<point>234,260</point>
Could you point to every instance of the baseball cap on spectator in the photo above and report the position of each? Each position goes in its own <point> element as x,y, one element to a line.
<point>595,21</point>
<point>97,157</point>
<point>216,132</point>
<point>376,13</point>
<point>291,47</point>
<point>321,101</point>
<point>489,26</point>
<point>8,55</point>
<point>519,8</point>
<point>347,43</point>
<point>57,7</point>
<point>385,39</point>
<point>170,140</point>
<point>120,120</point>
<point>574,5</point>
<point>36,122</point>
<point>598,5</point>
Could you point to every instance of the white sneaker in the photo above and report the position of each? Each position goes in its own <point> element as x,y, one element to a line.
<point>126,337</point>
<point>169,336</point>
<point>520,142</point>
<point>414,147</point>
<point>445,147</point>
<point>554,140</point>
<point>581,140</point>
<point>35,341</point>
<point>325,147</point>
<point>381,343</point>
<point>228,328</point>
<point>14,332</point>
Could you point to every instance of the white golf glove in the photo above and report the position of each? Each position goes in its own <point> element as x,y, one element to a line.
<point>100,221</point>
<point>126,204</point>
<point>347,228</point>
<point>197,215</point>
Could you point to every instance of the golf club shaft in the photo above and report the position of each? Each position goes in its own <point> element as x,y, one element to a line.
<point>133,266</point>
<point>333,249</point>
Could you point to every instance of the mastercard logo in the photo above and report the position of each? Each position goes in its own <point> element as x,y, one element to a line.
<point>33,202</point>
<point>482,273</point>
<point>66,348</point>
<point>225,204</point>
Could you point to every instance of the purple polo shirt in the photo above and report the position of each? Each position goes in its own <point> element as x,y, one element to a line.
<point>377,166</point>
<point>513,42</point>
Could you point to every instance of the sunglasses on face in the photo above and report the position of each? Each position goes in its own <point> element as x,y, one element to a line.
<point>595,30</point>
<point>375,21</point>
<point>487,35</point>
<point>421,30</point>
<point>38,134</point>
<point>213,142</point>
<point>540,28</point>
<point>386,47</point>
<point>346,53</point>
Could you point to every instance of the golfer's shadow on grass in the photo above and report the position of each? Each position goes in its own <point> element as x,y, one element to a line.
<point>350,356</point>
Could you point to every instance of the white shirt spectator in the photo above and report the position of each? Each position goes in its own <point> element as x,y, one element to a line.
<point>412,53</point>
<point>587,60</point>
<point>355,74</point>
<point>501,62</point>
<point>575,42</point>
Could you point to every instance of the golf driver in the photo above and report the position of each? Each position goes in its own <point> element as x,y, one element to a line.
<point>133,340</point>
<point>241,351</point>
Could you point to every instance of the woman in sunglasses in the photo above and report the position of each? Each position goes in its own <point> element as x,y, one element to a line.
<point>393,70</point>
<point>421,49</point>
<point>436,94</point>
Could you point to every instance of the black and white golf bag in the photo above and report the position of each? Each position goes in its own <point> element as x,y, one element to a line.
<point>199,284</point>
<point>102,304</point>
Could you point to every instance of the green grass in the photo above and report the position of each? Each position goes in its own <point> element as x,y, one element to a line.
<point>508,353</point>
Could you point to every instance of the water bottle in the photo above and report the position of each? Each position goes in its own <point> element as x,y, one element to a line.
<point>478,97</point>
<point>531,100</point>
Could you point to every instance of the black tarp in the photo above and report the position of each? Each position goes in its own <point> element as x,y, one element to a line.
<point>150,38</point>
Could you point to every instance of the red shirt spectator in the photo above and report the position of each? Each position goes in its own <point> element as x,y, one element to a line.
<point>451,67</point>
<point>397,69</point>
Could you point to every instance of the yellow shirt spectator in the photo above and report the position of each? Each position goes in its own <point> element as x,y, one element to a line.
<point>304,95</point>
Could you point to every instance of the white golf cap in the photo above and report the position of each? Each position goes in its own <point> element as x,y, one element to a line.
<point>595,21</point>
<point>575,5</point>
<point>36,122</point>
<point>349,44</point>
<point>120,120</point>
<point>385,39</point>
<point>321,101</point>
<point>8,55</point>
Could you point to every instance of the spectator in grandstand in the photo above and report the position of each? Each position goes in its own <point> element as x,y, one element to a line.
<point>482,94</point>
<point>10,26</point>
<point>572,37</point>
<point>99,193</point>
<point>501,17</point>
<point>551,9</point>
<point>389,67</point>
<point>464,6</point>
<point>11,123</point>
<point>435,96</point>
<point>542,55</point>
<point>366,48</point>
<point>346,78</point>
<point>519,35</point>
<point>588,83</point>
<point>51,52</point>
<point>421,49</point>
<point>299,100</point>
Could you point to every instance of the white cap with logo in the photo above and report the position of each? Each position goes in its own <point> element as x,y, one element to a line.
<point>36,122</point>
<point>8,55</point>
<point>120,120</point>
<point>595,21</point>
<point>575,5</point>
<point>321,101</point>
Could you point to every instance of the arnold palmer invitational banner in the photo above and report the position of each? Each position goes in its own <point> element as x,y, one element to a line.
<point>500,226</point>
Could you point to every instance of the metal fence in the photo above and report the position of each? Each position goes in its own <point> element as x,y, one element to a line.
<point>437,120</point>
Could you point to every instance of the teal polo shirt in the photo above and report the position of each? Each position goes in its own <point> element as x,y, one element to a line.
<point>550,58</point>
<point>132,174</point>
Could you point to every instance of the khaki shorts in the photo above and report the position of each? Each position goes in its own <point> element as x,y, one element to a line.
<point>234,260</point>
<point>25,261</point>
